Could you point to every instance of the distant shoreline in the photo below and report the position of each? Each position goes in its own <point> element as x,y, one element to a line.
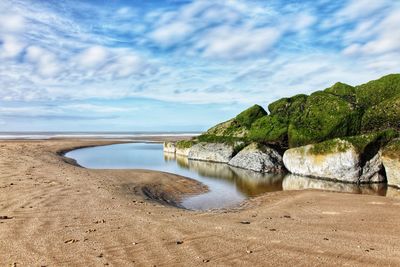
<point>96,135</point>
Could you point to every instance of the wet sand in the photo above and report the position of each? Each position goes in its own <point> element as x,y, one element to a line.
<point>53,213</point>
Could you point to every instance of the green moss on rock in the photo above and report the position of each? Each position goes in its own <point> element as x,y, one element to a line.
<point>287,107</point>
<point>378,139</point>
<point>269,129</point>
<point>377,91</point>
<point>361,143</point>
<point>182,144</point>
<point>237,127</point>
<point>382,116</point>
<point>392,150</point>
<point>326,116</point>
<point>330,146</point>
<point>338,111</point>
<point>250,115</point>
<point>345,91</point>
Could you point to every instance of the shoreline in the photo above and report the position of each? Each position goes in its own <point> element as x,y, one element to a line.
<point>67,215</point>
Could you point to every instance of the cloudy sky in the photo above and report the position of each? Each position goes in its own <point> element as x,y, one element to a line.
<point>180,65</point>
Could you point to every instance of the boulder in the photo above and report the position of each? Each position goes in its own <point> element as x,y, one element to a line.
<point>335,159</point>
<point>213,152</point>
<point>183,147</point>
<point>169,147</point>
<point>258,158</point>
<point>391,162</point>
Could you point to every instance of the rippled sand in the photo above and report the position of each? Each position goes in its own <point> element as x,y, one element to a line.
<point>55,214</point>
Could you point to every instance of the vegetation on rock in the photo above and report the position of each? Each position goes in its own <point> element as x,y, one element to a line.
<point>337,112</point>
<point>392,150</point>
<point>382,116</point>
<point>235,129</point>
<point>182,144</point>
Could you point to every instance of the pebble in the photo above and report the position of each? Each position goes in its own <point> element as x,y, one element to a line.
<point>179,242</point>
<point>206,260</point>
<point>5,217</point>
<point>245,222</point>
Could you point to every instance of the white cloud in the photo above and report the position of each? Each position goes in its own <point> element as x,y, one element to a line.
<point>11,23</point>
<point>381,37</point>
<point>46,63</point>
<point>92,57</point>
<point>354,10</point>
<point>359,8</point>
<point>10,46</point>
<point>232,43</point>
<point>172,33</point>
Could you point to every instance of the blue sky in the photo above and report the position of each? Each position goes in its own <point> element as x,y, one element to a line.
<point>180,65</point>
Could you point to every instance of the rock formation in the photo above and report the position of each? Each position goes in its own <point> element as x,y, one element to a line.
<point>258,158</point>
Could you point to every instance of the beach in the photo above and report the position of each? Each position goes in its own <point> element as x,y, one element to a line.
<point>55,213</point>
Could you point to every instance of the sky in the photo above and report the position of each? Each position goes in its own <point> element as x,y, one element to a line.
<point>180,65</point>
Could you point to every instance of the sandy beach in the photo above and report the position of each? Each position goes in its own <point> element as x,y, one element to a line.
<point>56,214</point>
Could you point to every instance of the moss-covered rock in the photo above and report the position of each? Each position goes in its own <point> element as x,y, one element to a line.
<point>287,107</point>
<point>345,91</point>
<point>269,129</point>
<point>184,144</point>
<point>273,129</point>
<point>325,116</point>
<point>377,91</point>
<point>335,159</point>
<point>250,115</point>
<point>234,129</point>
<point>382,116</point>
<point>338,111</point>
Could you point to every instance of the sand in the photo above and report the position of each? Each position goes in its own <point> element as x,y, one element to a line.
<point>53,213</point>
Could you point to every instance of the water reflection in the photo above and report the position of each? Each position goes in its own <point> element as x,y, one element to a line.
<point>228,186</point>
<point>296,182</point>
<point>247,182</point>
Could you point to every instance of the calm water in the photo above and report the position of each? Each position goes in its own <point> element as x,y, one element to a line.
<point>228,186</point>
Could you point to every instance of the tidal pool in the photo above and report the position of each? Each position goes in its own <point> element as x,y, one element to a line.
<point>228,186</point>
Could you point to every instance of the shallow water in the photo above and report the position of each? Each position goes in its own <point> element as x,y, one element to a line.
<point>228,186</point>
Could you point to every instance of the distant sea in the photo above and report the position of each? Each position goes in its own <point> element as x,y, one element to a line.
<point>99,135</point>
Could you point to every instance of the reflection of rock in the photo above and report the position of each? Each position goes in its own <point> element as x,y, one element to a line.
<point>169,147</point>
<point>391,161</point>
<point>341,163</point>
<point>393,192</point>
<point>248,182</point>
<point>211,169</point>
<point>212,152</point>
<point>169,156</point>
<point>182,161</point>
<point>254,183</point>
<point>258,158</point>
<point>297,182</point>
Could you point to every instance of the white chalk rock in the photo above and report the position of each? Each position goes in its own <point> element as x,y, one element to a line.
<point>258,158</point>
<point>213,152</point>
